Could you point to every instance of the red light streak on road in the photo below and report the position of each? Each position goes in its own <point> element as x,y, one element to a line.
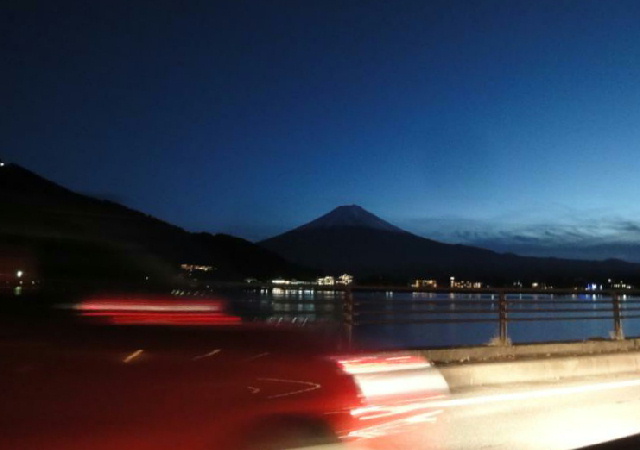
<point>157,311</point>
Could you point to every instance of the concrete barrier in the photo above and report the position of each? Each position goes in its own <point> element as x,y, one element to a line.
<point>460,376</point>
<point>523,351</point>
<point>488,365</point>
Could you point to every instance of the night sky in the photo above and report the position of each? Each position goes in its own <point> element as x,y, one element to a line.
<point>509,124</point>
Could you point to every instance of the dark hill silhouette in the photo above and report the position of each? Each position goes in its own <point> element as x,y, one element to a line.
<point>75,235</point>
<point>335,243</point>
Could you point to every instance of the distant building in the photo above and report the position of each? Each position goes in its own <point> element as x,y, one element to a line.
<point>283,282</point>
<point>462,284</point>
<point>539,285</point>
<point>327,281</point>
<point>196,268</point>
<point>619,284</point>
<point>197,272</point>
<point>425,284</point>
<point>344,279</point>
<point>18,267</point>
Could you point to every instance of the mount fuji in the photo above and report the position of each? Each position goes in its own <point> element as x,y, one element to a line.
<point>350,216</point>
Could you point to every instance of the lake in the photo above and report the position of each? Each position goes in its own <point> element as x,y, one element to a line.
<point>591,316</point>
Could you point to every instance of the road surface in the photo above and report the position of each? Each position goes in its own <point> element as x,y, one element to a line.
<point>550,416</point>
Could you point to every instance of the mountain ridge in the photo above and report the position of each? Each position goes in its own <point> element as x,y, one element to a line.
<point>73,233</point>
<point>368,252</point>
<point>68,232</point>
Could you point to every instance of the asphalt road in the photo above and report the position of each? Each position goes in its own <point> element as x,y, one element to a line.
<point>546,416</point>
<point>549,416</point>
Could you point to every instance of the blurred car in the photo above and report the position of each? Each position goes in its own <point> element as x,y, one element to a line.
<point>151,384</point>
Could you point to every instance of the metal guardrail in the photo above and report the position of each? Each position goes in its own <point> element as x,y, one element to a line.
<point>500,308</point>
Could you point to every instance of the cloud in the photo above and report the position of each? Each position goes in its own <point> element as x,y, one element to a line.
<point>630,227</point>
<point>589,235</point>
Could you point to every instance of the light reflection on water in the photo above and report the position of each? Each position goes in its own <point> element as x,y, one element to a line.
<point>308,306</point>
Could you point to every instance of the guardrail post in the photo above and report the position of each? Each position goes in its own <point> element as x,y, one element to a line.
<point>617,317</point>
<point>347,317</point>
<point>502,308</point>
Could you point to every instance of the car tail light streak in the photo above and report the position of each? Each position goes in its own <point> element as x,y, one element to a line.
<point>394,378</point>
<point>370,364</point>
<point>156,311</point>
<point>396,390</point>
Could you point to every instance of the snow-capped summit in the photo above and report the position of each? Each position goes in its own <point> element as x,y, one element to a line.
<point>350,216</point>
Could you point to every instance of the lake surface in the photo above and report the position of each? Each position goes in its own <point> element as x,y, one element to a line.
<point>591,316</point>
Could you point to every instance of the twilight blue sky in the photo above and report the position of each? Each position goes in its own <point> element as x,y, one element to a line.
<point>509,124</point>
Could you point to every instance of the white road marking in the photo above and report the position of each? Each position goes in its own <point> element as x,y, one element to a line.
<point>132,356</point>
<point>206,355</point>
<point>540,393</point>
